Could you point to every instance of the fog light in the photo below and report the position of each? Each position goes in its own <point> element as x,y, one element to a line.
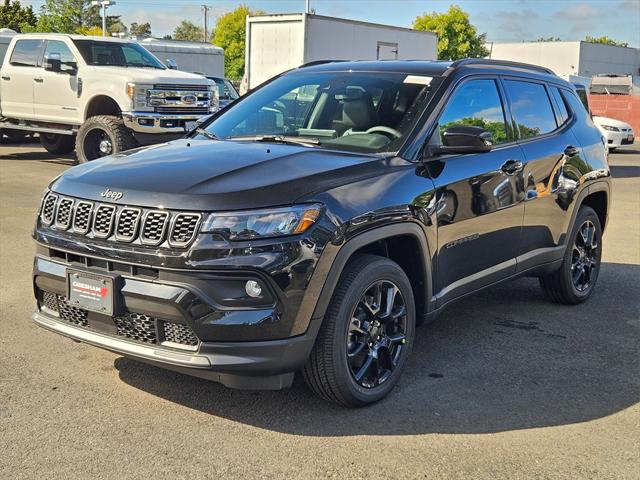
<point>253,289</point>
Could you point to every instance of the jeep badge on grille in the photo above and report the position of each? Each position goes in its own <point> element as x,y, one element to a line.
<point>108,193</point>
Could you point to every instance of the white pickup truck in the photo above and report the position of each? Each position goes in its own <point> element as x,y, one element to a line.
<point>97,95</point>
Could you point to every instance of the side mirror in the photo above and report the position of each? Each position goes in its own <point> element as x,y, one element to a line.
<point>171,64</point>
<point>464,139</point>
<point>52,62</point>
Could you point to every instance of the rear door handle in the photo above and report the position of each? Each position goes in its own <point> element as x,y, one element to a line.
<point>512,166</point>
<point>6,77</point>
<point>38,79</point>
<point>570,151</point>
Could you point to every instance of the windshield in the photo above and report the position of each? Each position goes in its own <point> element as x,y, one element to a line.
<point>366,112</point>
<point>117,54</point>
<point>226,90</point>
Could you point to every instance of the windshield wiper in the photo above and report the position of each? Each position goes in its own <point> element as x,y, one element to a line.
<point>206,133</point>
<point>279,139</point>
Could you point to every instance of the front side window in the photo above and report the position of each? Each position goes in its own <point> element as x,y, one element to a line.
<point>117,54</point>
<point>67,60</point>
<point>531,108</point>
<point>365,112</point>
<point>476,103</point>
<point>25,53</point>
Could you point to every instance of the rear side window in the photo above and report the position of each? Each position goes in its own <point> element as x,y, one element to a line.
<point>476,103</point>
<point>25,53</point>
<point>562,108</point>
<point>531,108</point>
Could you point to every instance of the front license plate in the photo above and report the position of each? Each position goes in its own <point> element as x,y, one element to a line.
<point>90,291</point>
<point>630,138</point>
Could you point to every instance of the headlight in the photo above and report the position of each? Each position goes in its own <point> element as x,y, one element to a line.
<point>138,94</point>
<point>214,101</point>
<point>610,128</point>
<point>265,223</point>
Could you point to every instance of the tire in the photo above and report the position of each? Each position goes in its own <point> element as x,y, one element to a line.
<point>561,285</point>
<point>613,149</point>
<point>329,372</point>
<point>13,136</point>
<point>102,135</point>
<point>56,143</point>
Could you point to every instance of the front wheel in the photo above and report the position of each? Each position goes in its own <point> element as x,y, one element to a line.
<point>366,335</point>
<point>57,143</point>
<point>576,278</point>
<point>102,135</point>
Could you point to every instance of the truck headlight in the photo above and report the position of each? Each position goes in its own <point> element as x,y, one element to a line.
<point>214,99</point>
<point>138,93</point>
<point>610,128</point>
<point>263,223</point>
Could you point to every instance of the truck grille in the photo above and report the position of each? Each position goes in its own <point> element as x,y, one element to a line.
<point>120,223</point>
<point>133,326</point>
<point>181,87</point>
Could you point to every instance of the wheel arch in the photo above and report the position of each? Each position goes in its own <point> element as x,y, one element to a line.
<point>396,242</point>
<point>102,104</point>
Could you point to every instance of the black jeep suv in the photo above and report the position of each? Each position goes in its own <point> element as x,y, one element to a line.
<point>311,226</point>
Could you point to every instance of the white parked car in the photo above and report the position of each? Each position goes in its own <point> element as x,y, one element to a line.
<point>615,132</point>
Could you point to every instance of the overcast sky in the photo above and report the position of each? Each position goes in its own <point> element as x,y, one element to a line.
<point>502,20</point>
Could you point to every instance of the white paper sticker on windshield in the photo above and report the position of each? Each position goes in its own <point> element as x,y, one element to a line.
<point>418,79</point>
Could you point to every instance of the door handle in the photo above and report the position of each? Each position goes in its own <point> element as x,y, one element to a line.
<point>6,77</point>
<point>38,79</point>
<point>512,166</point>
<point>570,151</point>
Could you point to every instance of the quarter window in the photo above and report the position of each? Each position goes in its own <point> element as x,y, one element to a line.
<point>476,103</point>
<point>562,108</point>
<point>68,61</point>
<point>25,53</point>
<point>531,108</point>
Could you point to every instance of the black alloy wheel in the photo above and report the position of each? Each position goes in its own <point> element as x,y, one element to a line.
<point>585,258</point>
<point>376,334</point>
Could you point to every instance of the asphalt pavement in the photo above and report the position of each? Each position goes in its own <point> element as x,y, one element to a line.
<point>504,385</point>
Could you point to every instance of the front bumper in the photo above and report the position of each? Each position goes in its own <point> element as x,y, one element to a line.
<point>266,365</point>
<point>617,139</point>
<point>157,123</point>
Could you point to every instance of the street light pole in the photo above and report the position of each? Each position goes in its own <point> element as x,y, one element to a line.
<point>104,4</point>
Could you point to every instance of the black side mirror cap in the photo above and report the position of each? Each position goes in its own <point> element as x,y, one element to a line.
<point>460,139</point>
<point>53,62</point>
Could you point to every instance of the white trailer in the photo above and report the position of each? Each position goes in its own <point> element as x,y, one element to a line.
<point>276,43</point>
<point>195,57</point>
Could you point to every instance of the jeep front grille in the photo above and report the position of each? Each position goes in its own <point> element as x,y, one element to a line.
<point>49,208</point>
<point>120,223</point>
<point>133,326</point>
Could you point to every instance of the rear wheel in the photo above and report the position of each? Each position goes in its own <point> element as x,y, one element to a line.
<point>102,135</point>
<point>56,143</point>
<point>366,335</point>
<point>576,278</point>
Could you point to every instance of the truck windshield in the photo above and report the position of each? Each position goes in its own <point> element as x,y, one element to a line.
<point>366,112</point>
<point>117,54</point>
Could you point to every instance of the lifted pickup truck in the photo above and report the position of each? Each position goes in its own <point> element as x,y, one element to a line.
<point>97,95</point>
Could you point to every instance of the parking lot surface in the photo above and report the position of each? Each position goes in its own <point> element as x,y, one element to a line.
<point>503,385</point>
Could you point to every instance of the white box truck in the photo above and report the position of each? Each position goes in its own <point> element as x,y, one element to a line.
<point>276,43</point>
<point>194,57</point>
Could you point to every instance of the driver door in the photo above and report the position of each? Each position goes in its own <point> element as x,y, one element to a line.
<point>56,93</point>
<point>479,196</point>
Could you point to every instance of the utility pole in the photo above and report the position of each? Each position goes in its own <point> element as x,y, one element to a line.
<point>307,9</point>
<point>104,4</point>
<point>206,9</point>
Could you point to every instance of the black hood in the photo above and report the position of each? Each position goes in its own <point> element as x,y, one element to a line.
<point>216,175</point>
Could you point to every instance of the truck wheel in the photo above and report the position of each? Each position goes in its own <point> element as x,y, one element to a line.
<point>13,136</point>
<point>56,143</point>
<point>366,335</point>
<point>102,135</point>
<point>576,278</point>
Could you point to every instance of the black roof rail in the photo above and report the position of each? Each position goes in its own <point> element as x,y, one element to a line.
<point>320,62</point>
<point>506,63</point>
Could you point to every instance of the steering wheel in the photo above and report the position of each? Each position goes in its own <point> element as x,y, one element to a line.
<point>391,132</point>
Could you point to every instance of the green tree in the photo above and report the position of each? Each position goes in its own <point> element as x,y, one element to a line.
<point>140,29</point>
<point>230,33</point>
<point>67,16</point>
<point>16,17</point>
<point>188,31</point>
<point>457,38</point>
<point>548,39</point>
<point>606,40</point>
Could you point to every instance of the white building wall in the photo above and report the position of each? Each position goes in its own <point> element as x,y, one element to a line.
<point>561,57</point>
